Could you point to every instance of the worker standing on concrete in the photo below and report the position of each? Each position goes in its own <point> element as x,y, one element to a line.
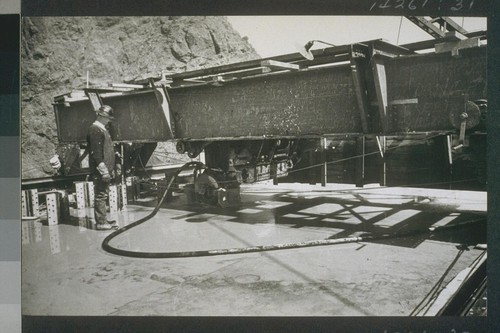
<point>102,165</point>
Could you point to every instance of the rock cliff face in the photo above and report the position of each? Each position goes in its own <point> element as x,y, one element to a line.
<point>57,53</point>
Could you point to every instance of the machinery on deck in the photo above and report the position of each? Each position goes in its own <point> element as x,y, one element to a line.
<point>334,117</point>
<point>368,112</point>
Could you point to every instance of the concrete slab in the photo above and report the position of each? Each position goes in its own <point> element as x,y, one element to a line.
<point>66,272</point>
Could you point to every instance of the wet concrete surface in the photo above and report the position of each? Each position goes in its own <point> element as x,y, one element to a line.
<point>66,272</point>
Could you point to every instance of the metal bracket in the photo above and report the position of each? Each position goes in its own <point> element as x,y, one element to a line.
<point>449,149</point>
<point>94,98</point>
<point>469,118</point>
<point>380,79</point>
<point>380,144</point>
<point>163,99</point>
<point>463,127</point>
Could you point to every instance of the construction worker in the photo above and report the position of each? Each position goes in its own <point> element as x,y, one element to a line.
<point>103,164</point>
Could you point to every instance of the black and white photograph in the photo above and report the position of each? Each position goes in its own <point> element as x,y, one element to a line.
<point>261,166</point>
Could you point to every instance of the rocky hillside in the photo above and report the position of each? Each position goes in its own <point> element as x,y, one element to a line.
<point>58,52</point>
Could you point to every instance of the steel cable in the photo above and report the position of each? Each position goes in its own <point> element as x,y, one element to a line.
<point>435,289</point>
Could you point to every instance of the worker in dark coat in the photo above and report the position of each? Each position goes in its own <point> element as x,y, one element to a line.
<point>102,163</point>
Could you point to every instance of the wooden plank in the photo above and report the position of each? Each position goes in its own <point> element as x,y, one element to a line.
<point>404,101</point>
<point>279,65</point>
<point>252,64</point>
<point>452,288</point>
<point>380,78</point>
<point>387,48</point>
<point>455,47</point>
<point>94,98</point>
<point>429,44</point>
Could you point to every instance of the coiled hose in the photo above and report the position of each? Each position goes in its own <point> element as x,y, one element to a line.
<point>108,248</point>
<point>201,253</point>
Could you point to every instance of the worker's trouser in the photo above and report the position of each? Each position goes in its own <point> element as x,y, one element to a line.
<point>101,191</point>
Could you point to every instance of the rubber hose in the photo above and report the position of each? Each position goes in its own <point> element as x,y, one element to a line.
<point>202,253</point>
<point>108,248</point>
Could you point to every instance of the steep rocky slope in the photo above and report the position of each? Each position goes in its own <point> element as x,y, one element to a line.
<point>57,53</point>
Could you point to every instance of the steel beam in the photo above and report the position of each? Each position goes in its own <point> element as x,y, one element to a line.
<point>358,69</point>
<point>427,26</point>
<point>298,103</point>
<point>452,25</point>
<point>429,44</point>
<point>139,117</point>
<point>413,93</point>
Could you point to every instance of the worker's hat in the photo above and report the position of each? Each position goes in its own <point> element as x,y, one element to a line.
<point>106,111</point>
